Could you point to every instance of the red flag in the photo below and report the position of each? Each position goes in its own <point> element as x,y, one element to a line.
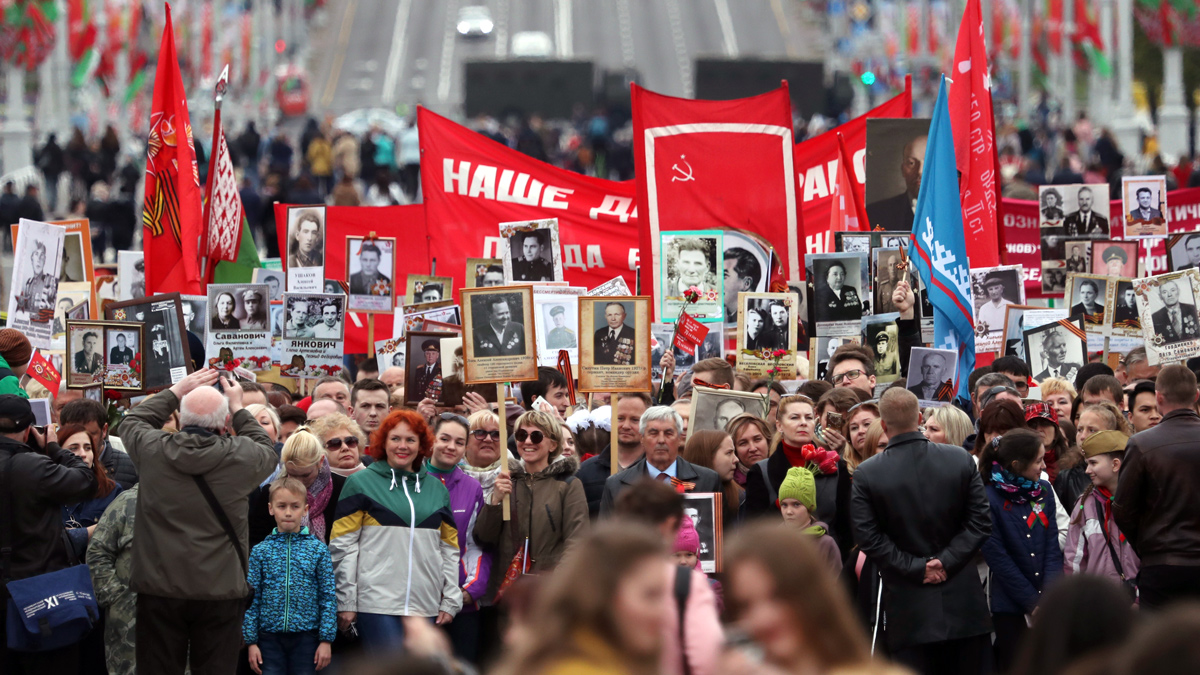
<point>848,213</point>
<point>43,371</point>
<point>970,101</point>
<point>689,333</point>
<point>715,165</point>
<point>171,216</point>
<point>223,211</point>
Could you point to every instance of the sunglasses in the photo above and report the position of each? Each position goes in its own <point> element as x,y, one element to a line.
<point>336,443</point>
<point>534,437</point>
<point>482,434</point>
<point>848,375</point>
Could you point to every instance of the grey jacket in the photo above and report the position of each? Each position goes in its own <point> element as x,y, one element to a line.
<point>179,547</point>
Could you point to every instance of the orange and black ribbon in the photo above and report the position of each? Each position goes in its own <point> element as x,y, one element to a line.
<point>945,391</point>
<point>697,382</point>
<point>564,367</point>
<point>1070,325</point>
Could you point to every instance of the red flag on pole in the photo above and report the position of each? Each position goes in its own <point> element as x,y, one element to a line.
<point>171,216</point>
<point>848,214</point>
<point>43,371</point>
<point>970,101</point>
<point>689,334</point>
<point>223,211</point>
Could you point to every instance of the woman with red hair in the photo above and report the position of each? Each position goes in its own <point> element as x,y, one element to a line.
<point>80,519</point>
<point>394,544</point>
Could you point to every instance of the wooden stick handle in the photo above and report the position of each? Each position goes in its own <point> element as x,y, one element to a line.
<point>371,334</point>
<point>503,445</point>
<point>612,435</point>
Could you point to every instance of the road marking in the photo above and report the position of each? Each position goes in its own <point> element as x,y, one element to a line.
<point>681,55</point>
<point>446,70</point>
<point>340,58</point>
<point>727,34</point>
<point>784,29</point>
<point>395,63</point>
<point>501,26</point>
<point>562,29</point>
<point>625,27</point>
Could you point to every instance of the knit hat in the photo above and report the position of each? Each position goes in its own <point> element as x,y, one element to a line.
<point>1104,442</point>
<point>687,539</point>
<point>15,347</point>
<point>800,485</point>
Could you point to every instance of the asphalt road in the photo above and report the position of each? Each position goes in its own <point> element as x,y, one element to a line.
<point>389,53</point>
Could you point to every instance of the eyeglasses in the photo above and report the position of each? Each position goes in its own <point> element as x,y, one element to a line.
<point>483,434</point>
<point>336,443</point>
<point>848,375</point>
<point>534,437</point>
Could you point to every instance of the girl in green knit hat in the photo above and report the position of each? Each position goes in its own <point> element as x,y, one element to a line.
<point>798,503</point>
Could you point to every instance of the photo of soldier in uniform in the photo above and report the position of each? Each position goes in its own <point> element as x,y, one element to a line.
<point>1078,254</point>
<point>306,237</point>
<point>38,290</point>
<point>1125,312</point>
<point>498,337</point>
<point>561,336</point>
<point>425,366</point>
<point>485,272</point>
<point>496,332</point>
<point>1173,311</point>
<point>531,252</point>
<point>1115,258</point>
<point>887,275</point>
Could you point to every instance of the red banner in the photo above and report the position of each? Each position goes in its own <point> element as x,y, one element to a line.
<point>690,333</point>
<point>816,162</point>
<point>704,165</point>
<point>471,184</point>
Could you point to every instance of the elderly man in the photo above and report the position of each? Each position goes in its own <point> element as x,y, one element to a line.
<point>1176,321</point>
<point>614,344</point>
<point>1054,352</point>
<point>428,376</point>
<point>991,313</point>
<point>393,377</point>
<point>503,336</point>
<point>938,619</point>
<point>933,373</point>
<point>595,471</point>
<point>662,436</point>
<point>192,587</point>
<point>1085,222</point>
<point>334,388</point>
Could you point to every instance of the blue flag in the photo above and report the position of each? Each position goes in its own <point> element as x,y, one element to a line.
<point>938,248</point>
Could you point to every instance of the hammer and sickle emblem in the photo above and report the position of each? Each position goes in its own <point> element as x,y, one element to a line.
<point>681,174</point>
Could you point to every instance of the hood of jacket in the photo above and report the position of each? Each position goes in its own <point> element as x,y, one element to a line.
<point>396,475</point>
<point>563,466</point>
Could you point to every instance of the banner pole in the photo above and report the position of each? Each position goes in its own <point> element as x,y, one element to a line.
<point>612,434</point>
<point>503,445</point>
<point>371,334</point>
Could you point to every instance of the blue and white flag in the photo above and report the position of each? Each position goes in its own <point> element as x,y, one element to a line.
<point>938,248</point>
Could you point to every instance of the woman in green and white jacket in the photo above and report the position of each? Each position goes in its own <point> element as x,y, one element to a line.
<point>394,544</point>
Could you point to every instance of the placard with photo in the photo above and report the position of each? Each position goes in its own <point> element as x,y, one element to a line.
<point>167,355</point>
<point>413,317</point>
<point>1014,330</point>
<point>660,337</point>
<point>1115,258</point>
<point>371,269</point>
<point>993,289</point>
<point>852,242</point>
<point>556,322</point>
<point>37,266</point>
<point>766,323</point>
<point>275,280</point>
<point>1089,297</point>
<point>931,375</point>
<point>895,153</point>
<point>422,289</point>
<point>614,347</point>
<point>1079,255</point>
<point>713,408</point>
<point>126,357</point>
<point>131,275</point>
<point>77,265</point>
<point>839,284</point>
<point>1183,251</point>
<point>1068,212</point>
<point>1144,205</point>
<point>889,269</point>
<point>87,356</point>
<point>195,314</point>
<point>313,334</point>
<point>498,338</point>
<point>530,251</point>
<point>1124,311</point>
<point>238,326</point>
<point>614,286</point>
<point>747,262</point>
<point>705,510</point>
<point>390,352</point>
<point>1057,349</point>
<point>423,378</point>
<point>70,295</point>
<point>305,249</point>
<point>454,378</point>
<point>689,260</point>
<point>1167,310</point>
<point>821,349</point>
<point>485,272</point>
<point>881,334</point>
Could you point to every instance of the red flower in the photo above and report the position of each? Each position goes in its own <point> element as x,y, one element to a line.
<point>692,294</point>
<point>112,395</point>
<point>779,353</point>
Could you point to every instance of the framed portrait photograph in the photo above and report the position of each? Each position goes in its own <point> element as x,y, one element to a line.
<point>37,266</point>
<point>1167,309</point>
<point>1086,209</point>
<point>1050,206</point>
<point>1183,252</point>
<point>881,334</point>
<point>422,289</point>
<point>423,376</point>
<point>705,510</point>
<point>131,275</point>
<point>167,357</point>
<point>556,322</point>
<point>305,255</point>
<point>890,239</point>
<point>1144,205</point>
<point>71,294</point>
<point>313,330</point>
<point>1115,258</point>
<point>1056,349</point>
<point>614,350</point>
<point>1124,312</point>
<point>838,282</point>
<point>498,337</point>
<point>1079,255</point>
<point>371,267</point>
<point>852,242</point>
<point>888,269</point>
<point>275,280</point>
<point>747,263</point>
<point>713,408</point>
<point>895,153</point>
<point>86,354</point>
<point>413,317</point>
<point>453,377</point>
<point>660,334</point>
<point>126,356</point>
<point>931,375</point>
<point>992,290</point>
<point>77,265</point>
<point>821,349</point>
<point>484,272</point>
<point>531,253</point>
<point>1089,297</point>
<point>238,325</point>
<point>195,314</point>
<point>1054,277</point>
<point>766,323</point>
<point>689,259</point>
<point>1014,331</point>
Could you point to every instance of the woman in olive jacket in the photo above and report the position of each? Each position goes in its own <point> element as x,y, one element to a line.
<point>548,507</point>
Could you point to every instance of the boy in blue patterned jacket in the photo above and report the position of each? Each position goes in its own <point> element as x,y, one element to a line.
<point>292,622</point>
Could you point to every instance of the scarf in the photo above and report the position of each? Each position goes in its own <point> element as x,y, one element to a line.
<point>795,456</point>
<point>1019,490</point>
<point>815,530</point>
<point>1106,501</point>
<point>318,498</point>
<point>1051,464</point>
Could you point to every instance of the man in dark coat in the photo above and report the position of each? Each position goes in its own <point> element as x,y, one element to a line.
<point>895,213</point>
<point>595,471</point>
<point>614,344</point>
<point>937,613</point>
<point>1155,505</point>
<point>1085,222</point>
<point>662,436</point>
<point>501,336</point>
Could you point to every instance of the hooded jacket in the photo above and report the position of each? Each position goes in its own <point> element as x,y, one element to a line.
<point>292,576</point>
<point>395,545</point>
<point>9,382</point>
<point>549,507</point>
<point>466,501</point>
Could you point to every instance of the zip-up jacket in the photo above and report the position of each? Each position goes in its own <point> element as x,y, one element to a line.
<point>1086,552</point>
<point>466,501</point>
<point>292,577</point>
<point>394,545</point>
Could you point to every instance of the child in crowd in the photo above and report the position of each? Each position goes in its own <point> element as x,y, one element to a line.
<point>687,554</point>
<point>291,624</point>
<point>1094,544</point>
<point>797,503</point>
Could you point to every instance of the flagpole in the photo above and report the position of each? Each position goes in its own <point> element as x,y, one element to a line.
<point>218,96</point>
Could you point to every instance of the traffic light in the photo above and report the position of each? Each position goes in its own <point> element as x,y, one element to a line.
<point>868,78</point>
<point>280,45</point>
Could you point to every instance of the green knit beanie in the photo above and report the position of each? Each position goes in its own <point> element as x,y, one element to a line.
<point>800,485</point>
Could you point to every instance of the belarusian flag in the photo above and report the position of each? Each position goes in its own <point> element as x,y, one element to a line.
<point>1087,36</point>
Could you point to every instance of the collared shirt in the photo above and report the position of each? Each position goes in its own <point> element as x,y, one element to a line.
<point>652,472</point>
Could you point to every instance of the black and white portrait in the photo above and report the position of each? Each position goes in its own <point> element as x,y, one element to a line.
<point>370,269</point>
<point>318,316</point>
<point>747,269</point>
<point>1079,256</point>
<point>531,251</point>
<point>498,330</point>
<point>764,324</point>
<point>166,353</point>
<point>821,349</point>
<point>1183,252</point>
<point>888,274</point>
<point>122,346</point>
<point>852,242</point>
<point>713,408</point>
<point>485,272</point>
<point>1054,277</point>
<point>993,289</point>
<point>837,281</point>
<point>1050,206</point>
<point>306,237</point>
<point>131,275</point>
<point>1054,243</point>
<point>76,265</point>
<point>895,157</point>
<point>1014,332</point>
<point>1125,319</point>
<point>561,320</point>
<point>1086,208</point>
<point>881,335</point>
<point>274,280</point>
<point>703,509</point>
<point>1088,298</point>
<point>1055,350</point>
<point>1144,202</point>
<point>1172,307</point>
<point>126,358</point>
<point>615,341</point>
<point>929,370</point>
<point>423,289</point>
<point>37,265</point>
<point>689,260</point>
<point>237,307</point>
<point>85,344</point>
<point>195,310</point>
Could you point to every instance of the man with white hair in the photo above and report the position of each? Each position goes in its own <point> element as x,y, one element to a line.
<point>190,545</point>
<point>662,436</point>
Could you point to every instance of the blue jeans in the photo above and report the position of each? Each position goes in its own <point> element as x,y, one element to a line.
<point>289,653</point>
<point>381,632</point>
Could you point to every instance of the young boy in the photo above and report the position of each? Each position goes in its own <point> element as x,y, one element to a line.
<point>292,621</point>
<point>1093,537</point>
<point>797,503</point>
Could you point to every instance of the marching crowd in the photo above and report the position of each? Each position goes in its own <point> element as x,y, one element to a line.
<point>234,527</point>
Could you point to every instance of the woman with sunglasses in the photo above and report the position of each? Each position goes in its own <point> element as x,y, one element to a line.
<point>466,501</point>
<point>482,458</point>
<point>549,509</point>
<point>344,442</point>
<point>303,458</point>
<point>394,545</point>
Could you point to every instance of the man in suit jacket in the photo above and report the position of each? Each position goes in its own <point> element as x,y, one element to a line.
<point>662,435</point>
<point>369,280</point>
<point>1145,211</point>
<point>1176,321</point>
<point>501,336</point>
<point>614,344</point>
<point>924,548</point>
<point>87,360</point>
<point>1085,222</point>
<point>120,355</point>
<point>933,370</point>
<point>1054,351</point>
<point>895,214</point>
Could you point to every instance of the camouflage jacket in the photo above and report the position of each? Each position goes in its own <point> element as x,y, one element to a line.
<point>110,560</point>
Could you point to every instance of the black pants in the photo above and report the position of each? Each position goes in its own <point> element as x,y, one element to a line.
<point>966,656</point>
<point>170,631</point>
<point>464,636</point>
<point>65,660</point>
<point>1010,628</point>
<point>1160,585</point>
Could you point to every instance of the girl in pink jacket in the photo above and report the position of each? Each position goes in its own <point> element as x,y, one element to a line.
<point>1094,544</point>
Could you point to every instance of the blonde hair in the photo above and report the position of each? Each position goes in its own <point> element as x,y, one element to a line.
<point>1056,385</point>
<point>549,426</point>
<point>292,485</point>
<point>1112,415</point>
<point>955,423</point>
<point>255,408</point>
<point>792,399</point>
<point>327,424</point>
<point>479,417</point>
<point>302,449</point>
<point>871,444</point>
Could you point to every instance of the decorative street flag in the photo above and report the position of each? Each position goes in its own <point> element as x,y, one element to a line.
<point>939,249</point>
<point>223,212</point>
